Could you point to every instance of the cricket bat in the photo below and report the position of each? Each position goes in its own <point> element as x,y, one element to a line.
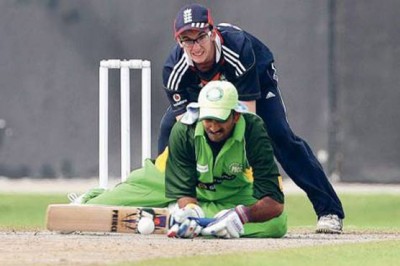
<point>104,218</point>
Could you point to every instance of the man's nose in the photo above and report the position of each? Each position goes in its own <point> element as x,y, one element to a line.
<point>196,45</point>
<point>214,125</point>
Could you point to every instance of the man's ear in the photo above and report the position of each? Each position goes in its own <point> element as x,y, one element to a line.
<point>179,42</point>
<point>213,34</point>
<point>236,116</point>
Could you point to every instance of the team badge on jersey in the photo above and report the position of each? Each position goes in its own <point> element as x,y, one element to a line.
<point>176,97</point>
<point>236,168</point>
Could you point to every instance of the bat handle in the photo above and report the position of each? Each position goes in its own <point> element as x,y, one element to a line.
<point>203,221</point>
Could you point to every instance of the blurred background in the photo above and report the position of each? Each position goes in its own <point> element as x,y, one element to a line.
<point>338,64</point>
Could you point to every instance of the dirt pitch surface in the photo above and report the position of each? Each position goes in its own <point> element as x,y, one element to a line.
<point>48,248</point>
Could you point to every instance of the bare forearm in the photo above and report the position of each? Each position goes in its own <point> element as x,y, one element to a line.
<point>251,105</point>
<point>182,202</point>
<point>264,210</point>
<point>178,117</point>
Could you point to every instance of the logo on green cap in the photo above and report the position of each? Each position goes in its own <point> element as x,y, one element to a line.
<point>215,94</point>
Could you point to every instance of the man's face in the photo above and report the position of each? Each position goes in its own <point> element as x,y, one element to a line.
<point>199,45</point>
<point>218,131</point>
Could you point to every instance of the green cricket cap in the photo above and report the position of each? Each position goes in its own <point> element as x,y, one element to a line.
<point>217,100</point>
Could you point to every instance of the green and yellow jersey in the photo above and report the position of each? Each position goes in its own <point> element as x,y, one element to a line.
<point>240,171</point>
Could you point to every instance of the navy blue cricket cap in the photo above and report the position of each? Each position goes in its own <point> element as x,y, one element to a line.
<point>192,16</point>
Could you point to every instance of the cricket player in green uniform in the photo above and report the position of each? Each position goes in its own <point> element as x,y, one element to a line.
<point>219,164</point>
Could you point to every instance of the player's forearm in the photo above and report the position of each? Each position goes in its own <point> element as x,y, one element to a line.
<point>182,202</point>
<point>264,210</point>
<point>251,105</point>
<point>178,117</point>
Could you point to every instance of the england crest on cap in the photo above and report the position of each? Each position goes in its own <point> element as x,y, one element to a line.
<point>193,16</point>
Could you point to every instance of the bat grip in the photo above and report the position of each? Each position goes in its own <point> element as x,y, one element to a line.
<point>203,221</point>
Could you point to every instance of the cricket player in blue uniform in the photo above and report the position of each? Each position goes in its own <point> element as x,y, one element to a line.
<point>205,52</point>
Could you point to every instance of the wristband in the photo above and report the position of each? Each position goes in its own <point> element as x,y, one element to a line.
<point>244,213</point>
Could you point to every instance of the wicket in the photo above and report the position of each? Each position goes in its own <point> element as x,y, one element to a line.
<point>124,66</point>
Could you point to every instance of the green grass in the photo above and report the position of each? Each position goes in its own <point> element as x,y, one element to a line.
<point>25,211</point>
<point>365,254</point>
<point>374,212</point>
<point>362,211</point>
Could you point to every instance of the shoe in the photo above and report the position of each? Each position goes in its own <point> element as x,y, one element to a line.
<point>329,224</point>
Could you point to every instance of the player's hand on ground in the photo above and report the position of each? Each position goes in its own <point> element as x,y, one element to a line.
<point>228,224</point>
<point>183,222</point>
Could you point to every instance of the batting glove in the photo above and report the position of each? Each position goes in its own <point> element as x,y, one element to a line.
<point>183,222</point>
<point>84,198</point>
<point>228,223</point>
